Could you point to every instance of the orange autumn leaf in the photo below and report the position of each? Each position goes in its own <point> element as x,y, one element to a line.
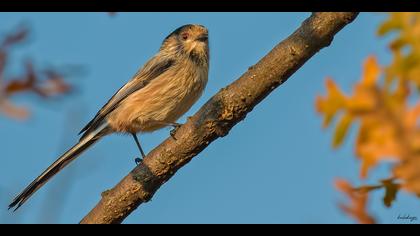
<point>408,171</point>
<point>341,130</point>
<point>364,95</point>
<point>7,108</point>
<point>375,142</point>
<point>357,202</point>
<point>47,83</point>
<point>362,101</point>
<point>31,81</point>
<point>55,84</point>
<point>17,86</point>
<point>389,127</point>
<point>330,104</point>
<point>405,46</point>
<point>361,105</point>
<point>379,137</point>
<point>371,73</point>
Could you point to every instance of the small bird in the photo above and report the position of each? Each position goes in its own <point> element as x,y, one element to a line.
<point>162,91</point>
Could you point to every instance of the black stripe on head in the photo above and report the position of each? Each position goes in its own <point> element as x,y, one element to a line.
<point>178,30</point>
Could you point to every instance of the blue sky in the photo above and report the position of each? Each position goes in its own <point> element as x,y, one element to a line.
<point>276,166</point>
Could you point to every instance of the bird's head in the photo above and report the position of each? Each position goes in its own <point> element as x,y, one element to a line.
<point>191,40</point>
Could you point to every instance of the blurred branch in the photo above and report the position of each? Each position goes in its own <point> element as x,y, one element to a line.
<point>215,119</point>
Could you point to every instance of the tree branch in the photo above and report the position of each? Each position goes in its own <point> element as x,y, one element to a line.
<point>225,109</point>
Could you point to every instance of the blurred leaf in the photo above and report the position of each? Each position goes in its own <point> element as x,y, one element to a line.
<point>389,125</point>
<point>388,26</point>
<point>47,83</point>
<point>406,63</point>
<point>371,72</point>
<point>331,103</point>
<point>358,202</point>
<point>341,130</point>
<point>408,171</point>
<point>13,111</point>
<point>16,86</point>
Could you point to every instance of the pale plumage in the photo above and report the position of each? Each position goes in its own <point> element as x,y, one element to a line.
<point>163,100</point>
<point>162,91</point>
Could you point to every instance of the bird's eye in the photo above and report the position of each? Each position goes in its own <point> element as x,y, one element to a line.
<point>185,36</point>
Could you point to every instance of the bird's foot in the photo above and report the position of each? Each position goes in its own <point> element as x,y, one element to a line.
<point>174,130</point>
<point>138,160</point>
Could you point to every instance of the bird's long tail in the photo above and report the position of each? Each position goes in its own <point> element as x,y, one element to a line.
<point>59,164</point>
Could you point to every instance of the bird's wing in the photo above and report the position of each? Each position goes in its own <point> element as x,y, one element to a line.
<point>151,70</point>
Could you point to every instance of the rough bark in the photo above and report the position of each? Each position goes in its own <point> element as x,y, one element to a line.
<point>214,120</point>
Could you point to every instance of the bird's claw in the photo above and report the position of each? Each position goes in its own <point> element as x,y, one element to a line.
<point>138,160</point>
<point>174,130</point>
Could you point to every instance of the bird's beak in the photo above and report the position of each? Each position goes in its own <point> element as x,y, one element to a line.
<point>203,38</point>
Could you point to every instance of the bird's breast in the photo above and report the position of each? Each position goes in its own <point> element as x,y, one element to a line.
<point>165,99</point>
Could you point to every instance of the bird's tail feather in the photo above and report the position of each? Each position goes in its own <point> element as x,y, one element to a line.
<point>59,164</point>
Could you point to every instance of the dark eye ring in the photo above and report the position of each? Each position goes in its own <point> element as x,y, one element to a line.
<point>185,36</point>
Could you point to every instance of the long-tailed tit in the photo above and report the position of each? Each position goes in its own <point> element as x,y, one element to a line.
<point>162,91</point>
